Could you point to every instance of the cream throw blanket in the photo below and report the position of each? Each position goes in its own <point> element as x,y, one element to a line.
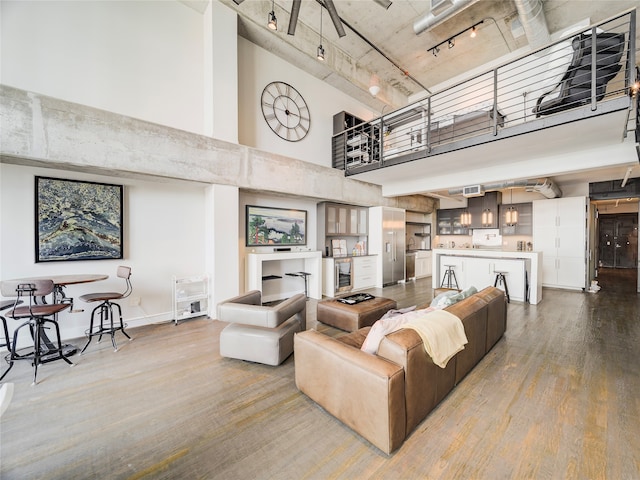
<point>442,334</point>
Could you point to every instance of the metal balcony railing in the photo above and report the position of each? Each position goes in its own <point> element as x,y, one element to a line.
<point>585,69</point>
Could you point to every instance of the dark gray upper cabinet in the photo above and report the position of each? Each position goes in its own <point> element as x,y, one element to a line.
<point>484,210</point>
<point>525,219</point>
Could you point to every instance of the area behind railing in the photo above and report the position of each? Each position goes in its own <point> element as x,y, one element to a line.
<point>569,80</point>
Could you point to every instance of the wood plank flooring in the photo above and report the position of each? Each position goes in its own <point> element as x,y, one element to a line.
<point>557,397</point>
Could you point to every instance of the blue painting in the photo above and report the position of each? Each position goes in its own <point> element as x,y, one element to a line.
<point>77,220</point>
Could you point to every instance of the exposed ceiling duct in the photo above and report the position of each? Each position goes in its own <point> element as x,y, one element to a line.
<point>534,22</point>
<point>432,18</point>
<point>530,14</point>
<point>543,186</point>
<point>383,3</point>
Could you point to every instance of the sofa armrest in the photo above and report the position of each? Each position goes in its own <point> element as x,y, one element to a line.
<point>363,391</point>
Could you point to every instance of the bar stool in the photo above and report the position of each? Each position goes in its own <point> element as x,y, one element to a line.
<point>105,310</point>
<point>36,317</point>
<point>4,305</point>
<point>449,278</point>
<point>502,280</point>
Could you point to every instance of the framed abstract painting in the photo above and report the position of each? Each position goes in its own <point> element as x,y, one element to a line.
<point>77,220</point>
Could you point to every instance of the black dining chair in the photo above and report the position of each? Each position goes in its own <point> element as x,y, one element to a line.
<point>36,316</point>
<point>105,310</point>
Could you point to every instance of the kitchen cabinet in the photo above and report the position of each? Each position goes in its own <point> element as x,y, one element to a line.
<point>525,219</point>
<point>364,272</point>
<point>449,222</point>
<point>423,264</point>
<point>338,219</point>
<point>358,221</point>
<point>480,272</point>
<point>484,210</point>
<point>559,232</point>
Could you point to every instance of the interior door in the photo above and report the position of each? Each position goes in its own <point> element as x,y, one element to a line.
<point>618,242</point>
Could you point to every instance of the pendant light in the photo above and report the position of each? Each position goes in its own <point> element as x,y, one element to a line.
<point>465,218</point>
<point>320,54</point>
<point>511,215</point>
<point>273,21</point>
<point>487,217</point>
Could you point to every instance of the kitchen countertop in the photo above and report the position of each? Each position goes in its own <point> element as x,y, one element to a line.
<point>489,252</point>
<point>354,256</point>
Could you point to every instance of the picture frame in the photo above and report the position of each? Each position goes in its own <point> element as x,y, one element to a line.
<point>282,227</point>
<point>77,220</point>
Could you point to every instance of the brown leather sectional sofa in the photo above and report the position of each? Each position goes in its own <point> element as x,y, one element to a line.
<point>383,397</point>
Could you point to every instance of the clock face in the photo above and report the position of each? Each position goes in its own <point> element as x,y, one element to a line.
<point>285,111</point>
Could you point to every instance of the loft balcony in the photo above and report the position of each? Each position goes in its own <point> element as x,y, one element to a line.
<point>579,88</point>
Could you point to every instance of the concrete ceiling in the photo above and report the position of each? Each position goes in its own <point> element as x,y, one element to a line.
<point>382,46</point>
<point>395,56</point>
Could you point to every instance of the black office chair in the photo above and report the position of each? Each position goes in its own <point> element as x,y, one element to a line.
<point>105,309</point>
<point>575,85</point>
<point>37,317</point>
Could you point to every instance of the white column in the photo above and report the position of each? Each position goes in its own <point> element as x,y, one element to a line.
<point>222,256</point>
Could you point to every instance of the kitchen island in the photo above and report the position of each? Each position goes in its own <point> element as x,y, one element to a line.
<point>476,267</point>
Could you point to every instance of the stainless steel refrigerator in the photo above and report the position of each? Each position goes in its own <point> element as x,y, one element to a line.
<point>393,245</point>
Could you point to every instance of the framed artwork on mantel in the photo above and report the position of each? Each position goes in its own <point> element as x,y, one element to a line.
<point>77,220</point>
<point>275,226</point>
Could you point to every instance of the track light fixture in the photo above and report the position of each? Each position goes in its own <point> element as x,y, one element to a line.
<point>273,21</point>
<point>451,41</point>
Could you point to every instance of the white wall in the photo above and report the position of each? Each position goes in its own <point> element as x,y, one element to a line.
<point>142,59</point>
<point>163,62</point>
<point>257,68</point>
<point>164,235</point>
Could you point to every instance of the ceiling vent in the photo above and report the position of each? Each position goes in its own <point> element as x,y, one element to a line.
<point>473,191</point>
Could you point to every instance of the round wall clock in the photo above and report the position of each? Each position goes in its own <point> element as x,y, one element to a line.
<point>285,111</point>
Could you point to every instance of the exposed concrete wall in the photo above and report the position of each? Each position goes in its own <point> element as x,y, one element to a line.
<point>45,131</point>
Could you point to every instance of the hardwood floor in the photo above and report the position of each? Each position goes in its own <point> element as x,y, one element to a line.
<point>557,397</point>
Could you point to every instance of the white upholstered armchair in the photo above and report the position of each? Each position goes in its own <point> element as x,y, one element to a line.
<point>260,333</point>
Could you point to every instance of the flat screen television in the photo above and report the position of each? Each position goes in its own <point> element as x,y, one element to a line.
<point>275,226</point>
